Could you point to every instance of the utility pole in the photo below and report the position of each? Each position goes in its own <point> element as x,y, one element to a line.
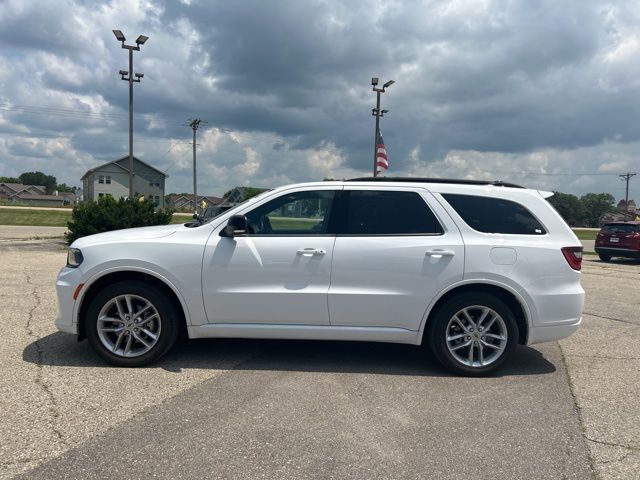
<point>376,112</point>
<point>130,78</point>
<point>194,123</point>
<point>627,176</point>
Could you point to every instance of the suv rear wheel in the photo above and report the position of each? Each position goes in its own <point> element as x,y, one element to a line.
<point>473,334</point>
<point>131,323</point>
<point>604,258</point>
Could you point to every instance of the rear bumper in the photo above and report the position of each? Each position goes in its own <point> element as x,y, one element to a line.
<point>552,332</point>
<point>618,252</point>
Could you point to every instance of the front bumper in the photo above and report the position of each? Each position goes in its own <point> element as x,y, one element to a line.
<point>66,285</point>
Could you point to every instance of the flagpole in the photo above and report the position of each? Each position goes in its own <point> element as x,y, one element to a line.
<point>376,112</point>
<point>377,136</point>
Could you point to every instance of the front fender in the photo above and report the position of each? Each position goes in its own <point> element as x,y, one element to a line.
<point>96,273</point>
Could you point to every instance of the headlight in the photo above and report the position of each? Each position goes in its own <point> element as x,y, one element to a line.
<point>74,258</point>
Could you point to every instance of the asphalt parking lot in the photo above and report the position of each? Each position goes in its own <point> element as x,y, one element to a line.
<point>269,409</point>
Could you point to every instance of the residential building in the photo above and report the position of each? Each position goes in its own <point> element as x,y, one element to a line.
<point>184,202</point>
<point>112,178</point>
<point>35,195</point>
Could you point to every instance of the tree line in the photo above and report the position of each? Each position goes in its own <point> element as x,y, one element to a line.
<point>586,210</point>
<point>41,179</point>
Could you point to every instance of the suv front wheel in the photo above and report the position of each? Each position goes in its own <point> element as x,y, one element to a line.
<point>131,323</point>
<point>473,334</point>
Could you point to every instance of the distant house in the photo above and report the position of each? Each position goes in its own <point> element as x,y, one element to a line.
<point>629,207</point>
<point>34,194</point>
<point>112,178</point>
<point>185,202</point>
<point>620,215</point>
<point>240,194</point>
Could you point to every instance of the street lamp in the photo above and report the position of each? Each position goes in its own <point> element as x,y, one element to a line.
<point>376,112</point>
<point>128,76</point>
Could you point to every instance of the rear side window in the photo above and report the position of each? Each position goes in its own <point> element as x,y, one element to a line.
<point>494,215</point>
<point>372,212</point>
<point>619,228</point>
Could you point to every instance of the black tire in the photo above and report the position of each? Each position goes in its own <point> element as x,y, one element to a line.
<point>604,258</point>
<point>438,326</point>
<point>166,326</point>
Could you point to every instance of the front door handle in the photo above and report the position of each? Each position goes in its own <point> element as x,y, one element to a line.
<point>309,252</point>
<point>440,253</point>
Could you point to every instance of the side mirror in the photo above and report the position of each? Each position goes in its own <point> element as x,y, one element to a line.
<point>237,225</point>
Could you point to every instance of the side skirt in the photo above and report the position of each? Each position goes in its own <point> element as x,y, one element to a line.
<point>304,332</point>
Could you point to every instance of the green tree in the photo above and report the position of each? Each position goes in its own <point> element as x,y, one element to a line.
<point>9,180</point>
<point>39,178</point>
<point>596,205</point>
<point>63,187</point>
<point>569,207</point>
<point>109,214</point>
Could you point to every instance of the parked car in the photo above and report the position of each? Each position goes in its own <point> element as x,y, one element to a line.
<point>468,268</point>
<point>618,239</point>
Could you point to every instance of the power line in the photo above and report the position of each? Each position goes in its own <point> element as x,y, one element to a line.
<point>626,177</point>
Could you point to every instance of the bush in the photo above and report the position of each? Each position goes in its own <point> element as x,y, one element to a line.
<point>109,214</point>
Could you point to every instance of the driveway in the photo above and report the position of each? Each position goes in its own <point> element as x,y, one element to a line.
<point>277,409</point>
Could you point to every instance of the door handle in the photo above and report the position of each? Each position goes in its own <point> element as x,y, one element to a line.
<point>440,253</point>
<point>308,252</point>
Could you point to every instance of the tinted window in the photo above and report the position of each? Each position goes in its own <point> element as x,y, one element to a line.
<point>389,213</point>
<point>300,213</point>
<point>494,215</point>
<point>620,228</point>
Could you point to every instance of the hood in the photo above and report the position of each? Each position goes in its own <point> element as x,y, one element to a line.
<point>127,234</point>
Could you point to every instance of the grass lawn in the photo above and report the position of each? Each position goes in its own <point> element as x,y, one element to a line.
<point>59,218</point>
<point>50,218</point>
<point>585,234</point>
<point>44,218</point>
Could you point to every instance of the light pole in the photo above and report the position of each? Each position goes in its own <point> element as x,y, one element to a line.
<point>376,112</point>
<point>128,76</point>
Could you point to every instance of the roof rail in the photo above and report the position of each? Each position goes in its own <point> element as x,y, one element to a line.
<point>497,183</point>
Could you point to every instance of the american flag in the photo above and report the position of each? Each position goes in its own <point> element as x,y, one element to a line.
<point>381,156</point>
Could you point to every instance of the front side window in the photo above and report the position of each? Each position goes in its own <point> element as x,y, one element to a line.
<point>107,179</point>
<point>299,213</point>
<point>494,215</point>
<point>372,212</point>
<point>100,178</point>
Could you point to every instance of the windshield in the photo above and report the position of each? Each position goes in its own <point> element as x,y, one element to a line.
<point>620,228</point>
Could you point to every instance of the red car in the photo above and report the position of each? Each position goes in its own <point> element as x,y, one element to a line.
<point>618,239</point>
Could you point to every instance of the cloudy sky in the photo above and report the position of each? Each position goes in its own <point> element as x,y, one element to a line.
<point>542,93</point>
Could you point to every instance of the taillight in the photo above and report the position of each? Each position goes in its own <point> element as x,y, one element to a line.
<point>573,255</point>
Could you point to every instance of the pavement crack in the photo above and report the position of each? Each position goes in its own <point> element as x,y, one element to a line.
<point>54,411</point>
<point>578,410</point>
<point>611,318</point>
<point>613,444</point>
<point>604,357</point>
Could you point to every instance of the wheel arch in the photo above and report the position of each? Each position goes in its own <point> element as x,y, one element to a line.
<point>109,277</point>
<point>510,297</point>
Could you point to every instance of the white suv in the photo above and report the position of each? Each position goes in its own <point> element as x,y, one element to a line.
<point>468,268</point>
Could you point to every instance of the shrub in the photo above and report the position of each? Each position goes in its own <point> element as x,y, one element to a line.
<point>109,214</point>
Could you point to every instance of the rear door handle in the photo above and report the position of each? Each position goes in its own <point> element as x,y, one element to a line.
<point>440,253</point>
<point>309,252</point>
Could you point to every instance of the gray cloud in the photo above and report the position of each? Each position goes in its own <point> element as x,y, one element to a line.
<point>482,87</point>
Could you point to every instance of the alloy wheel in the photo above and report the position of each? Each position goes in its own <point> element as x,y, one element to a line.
<point>129,325</point>
<point>476,336</point>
